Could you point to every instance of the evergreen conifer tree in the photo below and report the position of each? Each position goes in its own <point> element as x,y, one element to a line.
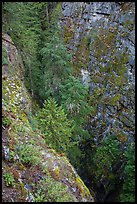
<point>56,127</point>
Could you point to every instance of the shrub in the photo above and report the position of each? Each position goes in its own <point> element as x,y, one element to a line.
<point>128,191</point>
<point>51,190</point>
<point>9,179</point>
<point>4,56</point>
<point>29,154</point>
<point>6,121</point>
<point>106,157</point>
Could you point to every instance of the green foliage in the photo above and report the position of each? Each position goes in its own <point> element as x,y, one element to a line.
<point>55,14</point>
<point>75,155</point>
<point>29,154</point>
<point>32,120</point>
<point>74,99</point>
<point>21,22</point>
<point>9,179</point>
<point>106,157</point>
<point>51,190</point>
<point>56,66</point>
<point>53,122</point>
<point>25,21</point>
<point>34,28</point>
<point>6,121</point>
<point>4,56</point>
<point>128,191</point>
<point>19,128</point>
<point>75,93</point>
<point>11,155</point>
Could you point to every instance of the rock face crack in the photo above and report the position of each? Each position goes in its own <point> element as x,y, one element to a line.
<point>101,13</point>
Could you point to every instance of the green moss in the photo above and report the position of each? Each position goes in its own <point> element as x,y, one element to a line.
<point>113,101</point>
<point>68,31</point>
<point>12,93</point>
<point>103,43</point>
<point>81,56</point>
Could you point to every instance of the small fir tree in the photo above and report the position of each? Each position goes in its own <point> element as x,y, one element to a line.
<point>56,127</point>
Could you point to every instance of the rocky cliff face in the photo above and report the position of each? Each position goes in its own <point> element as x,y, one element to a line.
<point>101,38</point>
<point>93,32</point>
<point>32,171</point>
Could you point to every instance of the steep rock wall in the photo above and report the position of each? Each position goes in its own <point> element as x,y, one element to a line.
<point>101,38</point>
<point>93,32</point>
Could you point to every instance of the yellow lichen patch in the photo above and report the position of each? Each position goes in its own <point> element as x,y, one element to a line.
<point>57,173</point>
<point>122,137</point>
<point>23,191</point>
<point>82,188</point>
<point>66,160</point>
<point>21,166</point>
<point>23,117</point>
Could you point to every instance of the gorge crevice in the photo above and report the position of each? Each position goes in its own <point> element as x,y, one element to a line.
<point>68,101</point>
